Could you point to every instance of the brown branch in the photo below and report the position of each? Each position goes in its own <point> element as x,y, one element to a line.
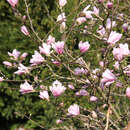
<point>30,20</point>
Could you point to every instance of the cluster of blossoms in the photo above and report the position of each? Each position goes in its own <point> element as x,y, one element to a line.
<point>48,49</point>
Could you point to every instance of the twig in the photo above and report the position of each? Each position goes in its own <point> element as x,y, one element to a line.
<point>107,116</point>
<point>30,120</point>
<point>31,24</point>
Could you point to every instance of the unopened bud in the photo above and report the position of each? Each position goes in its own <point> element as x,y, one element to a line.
<point>109,5</point>
<point>1,79</point>
<point>93,99</point>
<point>128,92</point>
<point>125,27</point>
<point>101,63</point>
<point>58,121</point>
<point>24,18</point>
<point>24,30</point>
<point>8,64</point>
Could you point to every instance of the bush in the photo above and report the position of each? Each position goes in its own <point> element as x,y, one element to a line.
<point>99,90</point>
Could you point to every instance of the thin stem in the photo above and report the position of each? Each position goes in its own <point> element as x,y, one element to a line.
<point>31,24</point>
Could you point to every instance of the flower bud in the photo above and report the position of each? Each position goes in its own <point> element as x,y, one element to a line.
<point>58,121</point>
<point>24,18</point>
<point>80,20</point>
<point>128,92</point>
<point>101,63</point>
<point>8,64</point>
<point>44,95</point>
<point>125,27</point>
<point>1,79</point>
<point>83,46</point>
<point>42,87</point>
<point>116,65</point>
<point>57,88</point>
<point>71,86</point>
<point>74,110</point>
<point>104,106</point>
<point>26,88</point>
<point>59,47</point>
<point>24,30</point>
<point>62,27</point>
<point>50,40</point>
<point>62,3</point>
<point>93,99</point>
<point>109,5</point>
<point>23,56</point>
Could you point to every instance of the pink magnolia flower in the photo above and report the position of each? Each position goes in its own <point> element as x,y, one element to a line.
<point>57,89</point>
<point>82,92</point>
<point>121,52</point>
<point>117,54</point>
<point>81,20</point>
<point>26,88</point>
<point>13,3</point>
<point>44,95</point>
<point>37,58</point>
<point>61,18</point>
<point>79,71</point>
<point>124,49</point>
<point>101,31</point>
<point>45,49</point>
<point>8,64</point>
<point>1,79</point>
<point>95,10</point>
<point>128,92</point>
<point>55,62</point>
<point>58,47</point>
<point>116,65</point>
<point>15,54</point>
<point>93,99</point>
<point>109,23</point>
<point>24,30</point>
<point>22,70</point>
<point>50,40</point>
<point>114,37</point>
<point>88,13</point>
<point>74,110</point>
<point>62,3</point>
<point>83,46</point>
<point>108,78</point>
